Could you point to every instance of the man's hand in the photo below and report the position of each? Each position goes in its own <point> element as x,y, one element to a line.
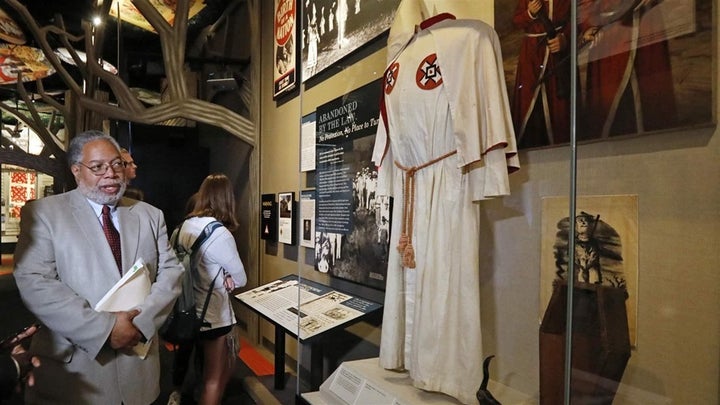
<point>592,35</point>
<point>534,7</point>
<point>557,44</point>
<point>124,334</point>
<point>25,361</point>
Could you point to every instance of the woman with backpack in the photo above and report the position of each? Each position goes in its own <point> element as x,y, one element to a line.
<point>219,270</point>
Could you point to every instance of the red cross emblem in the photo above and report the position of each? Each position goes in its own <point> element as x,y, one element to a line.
<point>391,75</point>
<point>428,74</point>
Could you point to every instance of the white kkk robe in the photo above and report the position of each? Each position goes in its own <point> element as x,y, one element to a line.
<point>444,92</point>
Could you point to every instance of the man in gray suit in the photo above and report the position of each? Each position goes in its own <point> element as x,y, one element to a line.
<point>64,265</point>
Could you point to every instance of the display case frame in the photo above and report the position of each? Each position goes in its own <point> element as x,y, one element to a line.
<point>669,172</point>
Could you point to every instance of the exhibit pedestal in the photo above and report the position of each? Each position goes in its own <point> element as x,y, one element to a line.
<point>365,382</point>
<point>600,344</point>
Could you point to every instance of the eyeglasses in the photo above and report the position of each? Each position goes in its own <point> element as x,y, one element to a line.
<point>99,169</point>
<point>130,164</point>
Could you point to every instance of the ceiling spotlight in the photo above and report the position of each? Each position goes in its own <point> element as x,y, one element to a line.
<point>96,21</point>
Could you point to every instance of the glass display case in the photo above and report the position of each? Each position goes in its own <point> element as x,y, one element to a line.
<point>595,167</point>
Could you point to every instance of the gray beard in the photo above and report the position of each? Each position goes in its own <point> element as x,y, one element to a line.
<point>101,198</point>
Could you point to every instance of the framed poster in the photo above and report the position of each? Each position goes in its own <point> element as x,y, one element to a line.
<point>286,228</point>
<point>307,218</point>
<point>606,246</point>
<point>349,238</point>
<point>285,46</point>
<point>643,67</point>
<point>332,29</point>
<point>268,218</point>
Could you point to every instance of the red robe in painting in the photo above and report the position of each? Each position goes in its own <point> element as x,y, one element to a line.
<point>621,59</point>
<point>540,114</point>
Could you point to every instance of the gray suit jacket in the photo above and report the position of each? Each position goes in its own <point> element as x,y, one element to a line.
<point>63,267</point>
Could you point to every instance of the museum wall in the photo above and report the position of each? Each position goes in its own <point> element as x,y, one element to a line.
<point>676,356</point>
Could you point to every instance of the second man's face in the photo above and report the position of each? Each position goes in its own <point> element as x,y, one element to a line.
<point>130,166</point>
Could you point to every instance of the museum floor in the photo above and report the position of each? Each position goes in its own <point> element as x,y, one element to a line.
<point>246,386</point>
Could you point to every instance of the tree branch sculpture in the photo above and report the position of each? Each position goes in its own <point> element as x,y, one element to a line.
<point>126,105</point>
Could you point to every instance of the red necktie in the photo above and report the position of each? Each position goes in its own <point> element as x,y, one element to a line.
<point>112,236</point>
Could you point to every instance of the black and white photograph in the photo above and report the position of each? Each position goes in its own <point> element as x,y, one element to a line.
<point>285,218</point>
<point>333,29</point>
<point>337,313</point>
<point>307,234</point>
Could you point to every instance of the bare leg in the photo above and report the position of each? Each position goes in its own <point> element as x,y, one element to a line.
<point>217,370</point>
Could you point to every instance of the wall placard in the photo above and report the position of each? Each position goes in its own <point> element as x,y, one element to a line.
<point>268,218</point>
<point>350,242</point>
<point>307,218</point>
<point>286,222</point>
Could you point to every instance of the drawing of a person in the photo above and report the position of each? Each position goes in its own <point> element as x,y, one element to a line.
<point>587,249</point>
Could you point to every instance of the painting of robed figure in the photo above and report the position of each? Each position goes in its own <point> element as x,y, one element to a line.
<point>643,67</point>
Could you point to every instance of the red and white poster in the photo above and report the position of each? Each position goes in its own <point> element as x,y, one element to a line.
<point>285,46</point>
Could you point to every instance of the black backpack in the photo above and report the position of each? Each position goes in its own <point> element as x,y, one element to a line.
<point>183,323</point>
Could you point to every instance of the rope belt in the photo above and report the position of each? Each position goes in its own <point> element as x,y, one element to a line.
<point>405,244</point>
<point>542,34</point>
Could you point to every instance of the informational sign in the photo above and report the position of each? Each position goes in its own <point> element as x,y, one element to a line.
<point>286,218</point>
<point>307,218</point>
<point>307,143</point>
<point>320,309</point>
<point>349,239</point>
<point>285,46</point>
<point>354,388</point>
<point>268,217</point>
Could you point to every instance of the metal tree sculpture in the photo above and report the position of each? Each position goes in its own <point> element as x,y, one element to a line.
<point>87,103</point>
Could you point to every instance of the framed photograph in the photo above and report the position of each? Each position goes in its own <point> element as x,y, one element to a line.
<point>286,223</point>
<point>332,29</point>
<point>285,72</point>
<point>643,67</point>
<point>606,246</point>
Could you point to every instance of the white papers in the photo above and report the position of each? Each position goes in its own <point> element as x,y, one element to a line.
<point>128,293</point>
<point>321,308</point>
<point>307,143</point>
<point>354,388</point>
<point>307,218</point>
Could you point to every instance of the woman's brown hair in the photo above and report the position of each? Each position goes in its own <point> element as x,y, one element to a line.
<point>215,198</point>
